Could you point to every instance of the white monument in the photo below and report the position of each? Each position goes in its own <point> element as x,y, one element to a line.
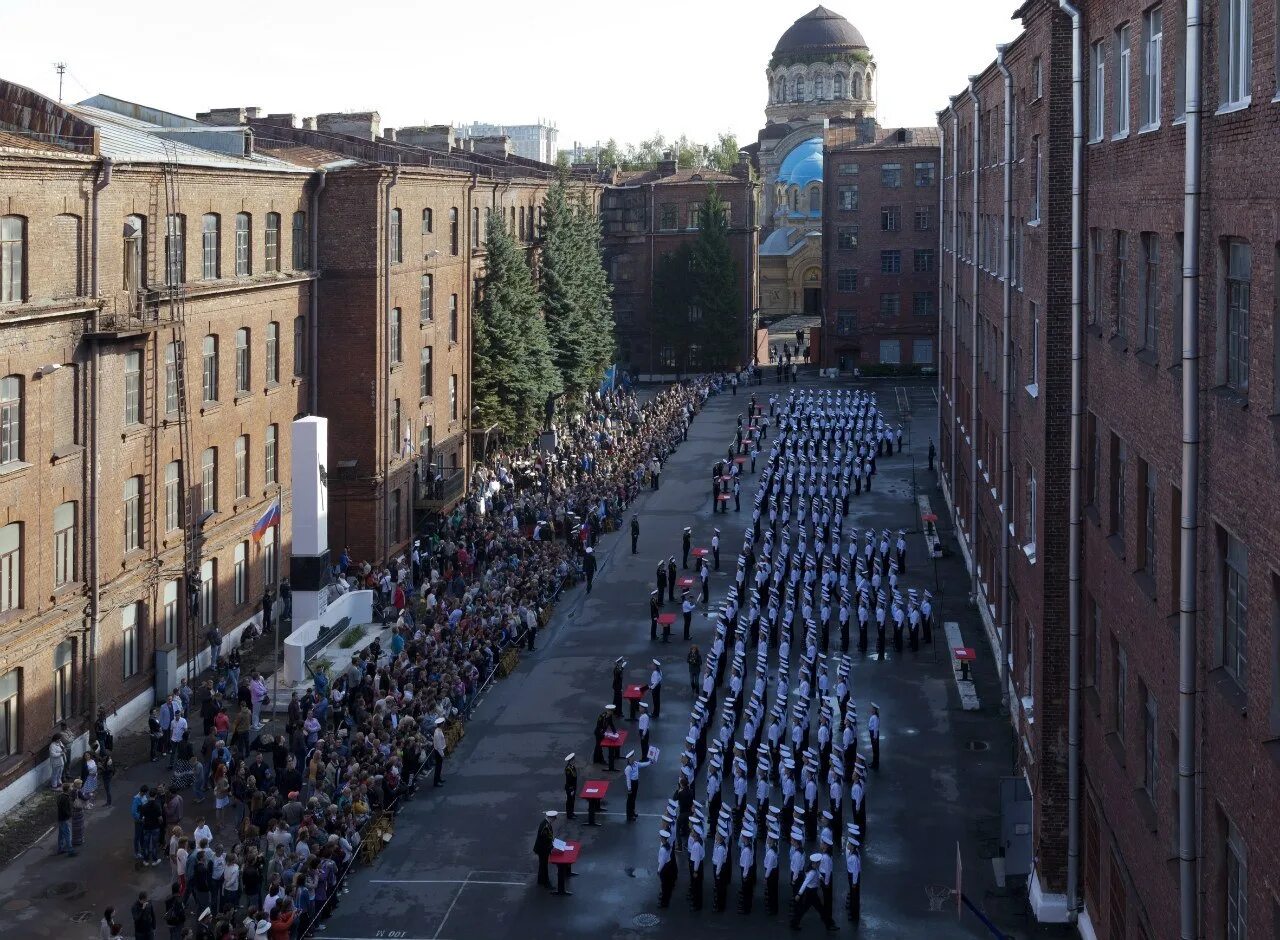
<point>310,570</point>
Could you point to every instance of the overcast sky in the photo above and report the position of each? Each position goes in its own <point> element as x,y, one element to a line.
<point>595,69</point>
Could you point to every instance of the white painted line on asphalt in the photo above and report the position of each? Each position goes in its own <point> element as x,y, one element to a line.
<point>649,815</point>
<point>452,905</point>
<point>443,881</point>
<point>968,692</point>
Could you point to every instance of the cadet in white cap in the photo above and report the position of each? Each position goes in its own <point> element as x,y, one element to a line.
<point>604,722</point>
<point>666,869</point>
<point>589,566</point>
<point>873,731</point>
<point>715,547</point>
<point>438,749</point>
<point>697,857</point>
<point>687,607</point>
<point>631,776</point>
<point>811,895</point>
<point>542,847</point>
<point>771,871</point>
<point>655,688</point>
<point>570,785</point>
<point>853,869</point>
<point>747,869</point>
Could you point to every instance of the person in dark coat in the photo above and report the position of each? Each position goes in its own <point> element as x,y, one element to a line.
<point>542,848</point>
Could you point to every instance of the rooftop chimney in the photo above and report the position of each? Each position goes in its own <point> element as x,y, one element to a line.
<point>365,124</point>
<point>433,137</point>
<point>252,113</point>
<point>282,120</point>
<point>668,165</point>
<point>308,123</point>
<point>498,145</point>
<point>225,117</point>
<point>389,134</point>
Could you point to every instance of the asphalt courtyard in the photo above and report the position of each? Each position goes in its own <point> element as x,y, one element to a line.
<point>460,866</point>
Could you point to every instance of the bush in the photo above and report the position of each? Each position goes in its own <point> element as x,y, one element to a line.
<point>351,638</point>
<point>508,662</point>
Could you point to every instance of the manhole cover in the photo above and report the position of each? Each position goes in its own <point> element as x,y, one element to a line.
<point>17,904</point>
<point>81,916</point>
<point>62,889</point>
<point>978,745</point>
<point>646,920</point>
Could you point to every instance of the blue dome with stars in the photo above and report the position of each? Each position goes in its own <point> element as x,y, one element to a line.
<point>803,165</point>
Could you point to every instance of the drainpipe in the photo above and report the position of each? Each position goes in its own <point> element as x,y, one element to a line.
<point>973,346</point>
<point>313,391</point>
<point>386,358</point>
<point>1006,379</point>
<point>1076,534</point>
<point>955,296</point>
<point>942,253</point>
<point>95,573</point>
<point>1187,867</point>
<point>469,288</point>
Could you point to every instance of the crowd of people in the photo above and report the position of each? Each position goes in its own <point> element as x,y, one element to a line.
<point>289,808</point>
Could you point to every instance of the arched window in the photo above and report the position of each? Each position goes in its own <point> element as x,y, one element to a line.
<point>837,86</point>
<point>819,88</point>
<point>815,200</point>
<point>857,85</point>
<point>395,242</point>
<point>299,241</point>
<point>209,368</point>
<point>244,245</point>
<point>271,243</point>
<point>135,253</point>
<point>869,95</point>
<point>800,89</point>
<point>13,259</point>
<point>243,359</point>
<point>209,253</point>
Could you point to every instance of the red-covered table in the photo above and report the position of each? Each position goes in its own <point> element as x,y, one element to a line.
<point>965,655</point>
<point>593,791</point>
<point>564,864</point>
<point>701,552</point>
<point>684,583</point>
<point>633,694</point>
<point>724,497</point>
<point>739,460</point>
<point>613,745</point>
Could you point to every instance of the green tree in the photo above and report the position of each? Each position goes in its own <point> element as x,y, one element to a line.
<point>717,293</point>
<point>724,155</point>
<point>512,370</point>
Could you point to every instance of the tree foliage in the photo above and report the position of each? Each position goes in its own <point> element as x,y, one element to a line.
<point>689,154</point>
<point>512,368</point>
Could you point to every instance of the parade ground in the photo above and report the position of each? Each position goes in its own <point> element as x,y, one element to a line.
<point>461,867</point>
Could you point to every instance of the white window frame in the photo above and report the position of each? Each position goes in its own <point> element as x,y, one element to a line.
<point>1235,54</point>
<point>1098,92</point>
<point>130,614</point>
<point>11,566</point>
<point>10,713</point>
<point>1124,84</point>
<point>240,573</point>
<point>64,544</point>
<point>171,600</point>
<point>1152,66</point>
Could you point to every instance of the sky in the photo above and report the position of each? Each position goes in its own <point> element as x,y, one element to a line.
<point>595,70</point>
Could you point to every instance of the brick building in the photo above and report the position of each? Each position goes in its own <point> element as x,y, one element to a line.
<point>646,214</point>
<point>879,245</point>
<point>1130,301</point>
<point>91,378</point>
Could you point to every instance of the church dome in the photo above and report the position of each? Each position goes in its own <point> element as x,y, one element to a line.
<point>820,31</point>
<point>803,164</point>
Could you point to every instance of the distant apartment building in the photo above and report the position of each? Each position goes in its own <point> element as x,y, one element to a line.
<point>531,141</point>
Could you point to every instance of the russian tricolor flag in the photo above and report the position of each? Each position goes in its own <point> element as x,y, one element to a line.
<point>268,519</point>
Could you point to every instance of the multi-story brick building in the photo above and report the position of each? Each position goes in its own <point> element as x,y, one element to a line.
<point>1129,302</point>
<point>879,245</point>
<point>106,206</point>
<point>647,214</point>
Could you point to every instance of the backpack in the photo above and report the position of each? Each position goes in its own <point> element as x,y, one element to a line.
<point>175,913</point>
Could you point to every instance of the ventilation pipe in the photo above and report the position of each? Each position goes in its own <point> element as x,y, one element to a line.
<point>942,254</point>
<point>973,346</point>
<point>1187,867</point>
<point>313,379</point>
<point>389,443</point>
<point>1076,535</point>
<point>955,296</point>
<point>1006,378</point>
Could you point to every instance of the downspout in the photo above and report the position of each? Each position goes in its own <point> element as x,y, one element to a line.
<point>653,237</point>
<point>955,298</point>
<point>1006,379</point>
<point>1187,867</point>
<point>102,181</point>
<point>313,391</point>
<point>386,359</point>
<point>973,345</point>
<point>469,288</point>
<point>1075,544</point>
<point>942,254</point>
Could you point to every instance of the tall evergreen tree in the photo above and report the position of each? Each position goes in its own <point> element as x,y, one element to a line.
<point>717,292</point>
<point>512,370</point>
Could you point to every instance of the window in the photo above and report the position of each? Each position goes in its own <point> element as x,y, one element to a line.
<point>837,86</point>
<point>271,253</point>
<point>453,318</point>
<point>1037,179</point>
<point>13,259</point>
<point>924,303</point>
<point>1093,458</point>
<point>922,352</point>
<point>848,198</point>
<point>133,387</point>
<point>888,218</point>
<point>244,245</point>
<point>475,227</point>
<point>1120,301</point>
<point>243,361</point>
<point>1237,886</point>
<point>1147,524</point>
<point>129,616</point>
<point>64,544</point>
<point>891,175</point>
<point>890,262</point>
<point>890,352</point>
<point>393,339</point>
<point>269,555</point>
<point>924,218</point>
<point>1235,605</point>
<point>209,480</point>
<point>926,174</point>
<point>1095,275</point>
<point>425,312</point>
<point>10,712</point>
<point>10,419</point>
<point>210,260</point>
<point>1037,78</point>
<point>173,495</point>
<point>1098,92</point>
<point>171,378</point>
<point>819,88</point>
<point>132,514</point>
<point>667,217</point>
<point>134,252</point>
<point>209,368</point>
<point>425,377</point>
<point>11,566</point>
<point>240,573</point>
<point>64,660</point>
<point>395,242</point>
<point>799,92</point>
<point>1150,289</point>
<point>270,454</point>
<point>847,237</point>
<point>426,222</point>
<point>1152,50</point>
<point>1119,465</point>
<point>1034,310</point>
<point>242,466</point>
<point>1233,333</point>
<point>845,322</point>
<point>846,280</point>
<point>1122,81</point>
<point>1032,493</point>
<point>453,231</point>
<point>923,262</point>
<point>1235,52</point>
<point>848,169</point>
<point>453,397</point>
<point>273,353</point>
<point>1121,677</point>
<point>890,305</point>
<point>175,250</point>
<point>299,345</point>
<point>169,598</point>
<point>208,593</point>
<point>1150,744</point>
<point>300,241</point>
<point>397,515</point>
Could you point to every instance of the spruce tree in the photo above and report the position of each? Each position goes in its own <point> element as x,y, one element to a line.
<point>716,288</point>
<point>512,371</point>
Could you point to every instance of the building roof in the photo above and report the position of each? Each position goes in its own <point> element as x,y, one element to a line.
<point>12,141</point>
<point>785,241</point>
<point>820,30</point>
<point>688,175</point>
<point>803,165</point>
<point>794,322</point>
<point>888,138</point>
